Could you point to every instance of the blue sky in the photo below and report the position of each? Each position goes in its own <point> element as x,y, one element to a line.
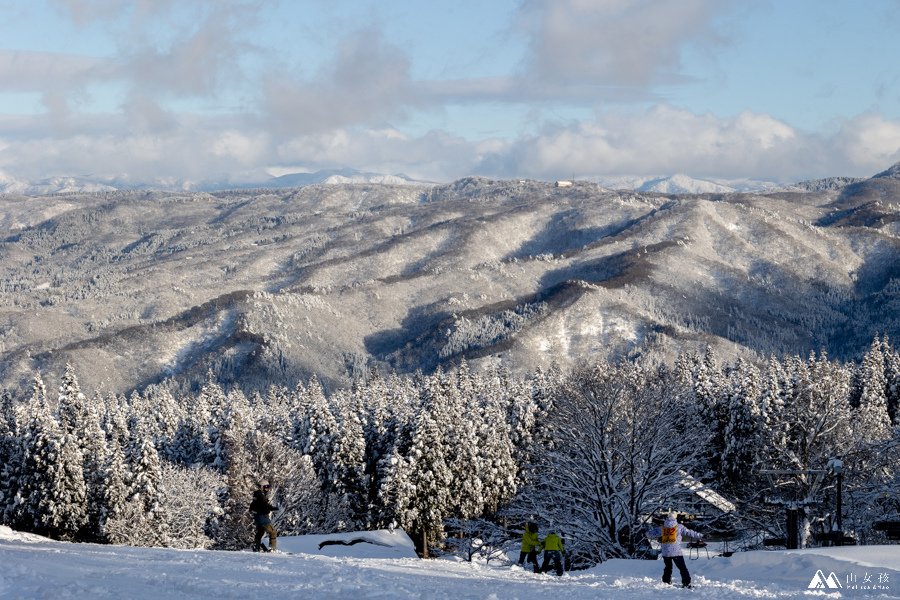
<point>174,91</point>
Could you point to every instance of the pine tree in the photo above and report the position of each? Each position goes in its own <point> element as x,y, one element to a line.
<point>743,430</point>
<point>52,484</point>
<point>713,407</point>
<point>348,461</point>
<point>873,420</point>
<point>10,456</point>
<point>459,419</point>
<point>234,461</point>
<point>94,452</point>
<point>892,380</point>
<point>210,410</point>
<point>429,479</point>
<point>72,405</point>
<point>314,431</point>
<point>495,455</point>
<point>145,475</point>
<point>114,527</point>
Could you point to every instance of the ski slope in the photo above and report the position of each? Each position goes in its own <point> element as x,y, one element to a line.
<point>386,567</point>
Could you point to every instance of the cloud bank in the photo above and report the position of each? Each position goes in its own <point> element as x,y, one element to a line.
<point>198,97</point>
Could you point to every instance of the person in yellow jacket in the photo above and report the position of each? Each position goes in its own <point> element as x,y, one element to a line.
<point>530,545</point>
<point>553,550</point>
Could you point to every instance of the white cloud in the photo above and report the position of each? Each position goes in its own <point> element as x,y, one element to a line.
<point>665,140</point>
<point>870,142</point>
<point>630,43</point>
<point>368,81</point>
<point>29,71</point>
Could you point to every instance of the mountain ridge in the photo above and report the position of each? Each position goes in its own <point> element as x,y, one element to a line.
<point>678,183</point>
<point>265,286</point>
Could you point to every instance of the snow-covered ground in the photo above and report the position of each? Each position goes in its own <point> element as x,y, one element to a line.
<point>385,567</point>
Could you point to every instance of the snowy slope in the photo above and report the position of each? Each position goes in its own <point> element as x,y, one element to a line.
<point>32,567</point>
<point>271,287</point>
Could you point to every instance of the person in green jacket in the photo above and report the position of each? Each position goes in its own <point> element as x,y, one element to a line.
<point>530,544</point>
<point>553,551</point>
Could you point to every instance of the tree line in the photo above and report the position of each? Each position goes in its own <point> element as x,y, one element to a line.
<point>459,459</point>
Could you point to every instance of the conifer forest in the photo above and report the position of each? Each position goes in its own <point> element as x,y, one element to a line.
<point>458,458</point>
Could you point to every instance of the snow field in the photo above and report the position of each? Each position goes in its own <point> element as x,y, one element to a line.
<point>32,567</point>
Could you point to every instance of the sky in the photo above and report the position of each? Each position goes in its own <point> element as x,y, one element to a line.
<point>186,91</point>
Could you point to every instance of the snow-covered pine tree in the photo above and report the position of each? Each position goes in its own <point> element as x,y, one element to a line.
<point>10,456</point>
<point>393,491</point>
<point>771,407</point>
<point>274,412</point>
<point>498,468</point>
<point>114,527</point>
<point>71,405</point>
<point>348,478</point>
<point>94,452</point>
<point>210,409</point>
<point>460,419</point>
<point>379,432</point>
<point>528,407</point>
<point>233,460</point>
<point>429,478</point>
<point>145,476</point>
<point>712,400</point>
<point>166,411</point>
<point>52,488</point>
<point>873,422</point>
<point>114,420</point>
<point>892,379</point>
<point>743,432</point>
<point>314,431</point>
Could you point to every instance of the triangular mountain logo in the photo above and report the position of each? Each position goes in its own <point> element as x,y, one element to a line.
<point>820,582</point>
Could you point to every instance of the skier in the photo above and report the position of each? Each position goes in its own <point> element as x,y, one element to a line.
<point>261,508</point>
<point>553,551</point>
<point>670,535</point>
<point>530,544</point>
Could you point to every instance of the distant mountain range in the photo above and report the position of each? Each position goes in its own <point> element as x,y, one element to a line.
<point>262,287</point>
<point>88,184</point>
<point>684,184</point>
<point>671,184</point>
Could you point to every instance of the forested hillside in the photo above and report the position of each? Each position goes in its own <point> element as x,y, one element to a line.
<point>271,287</point>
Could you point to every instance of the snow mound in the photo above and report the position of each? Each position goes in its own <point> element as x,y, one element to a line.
<point>359,544</point>
<point>9,535</point>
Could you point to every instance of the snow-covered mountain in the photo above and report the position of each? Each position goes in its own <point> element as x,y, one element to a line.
<point>332,177</point>
<point>668,184</point>
<point>683,184</point>
<point>34,567</point>
<point>52,185</point>
<point>88,184</point>
<point>332,280</point>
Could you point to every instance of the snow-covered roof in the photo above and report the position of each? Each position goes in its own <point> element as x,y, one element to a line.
<point>706,493</point>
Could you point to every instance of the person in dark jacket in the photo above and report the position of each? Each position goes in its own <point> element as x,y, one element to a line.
<point>670,536</point>
<point>260,507</point>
